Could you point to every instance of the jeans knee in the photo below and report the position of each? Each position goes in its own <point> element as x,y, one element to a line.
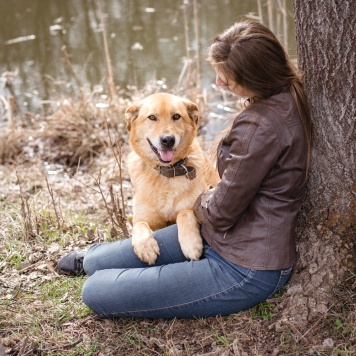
<point>88,293</point>
<point>89,263</point>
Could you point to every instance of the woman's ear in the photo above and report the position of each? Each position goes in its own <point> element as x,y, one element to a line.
<point>193,111</point>
<point>131,114</point>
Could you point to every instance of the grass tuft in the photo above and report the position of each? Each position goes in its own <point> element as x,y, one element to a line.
<point>48,209</point>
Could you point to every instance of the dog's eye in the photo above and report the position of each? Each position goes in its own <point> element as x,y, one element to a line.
<point>176,117</point>
<point>152,117</point>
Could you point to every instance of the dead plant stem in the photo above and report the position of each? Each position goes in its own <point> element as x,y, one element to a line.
<point>270,7</point>
<point>98,184</point>
<point>117,151</point>
<point>119,216</point>
<point>60,348</point>
<point>259,5</point>
<point>70,65</point>
<point>54,204</point>
<point>318,321</point>
<point>30,266</point>
<point>10,112</point>
<point>84,184</point>
<point>111,84</point>
<point>197,47</point>
<point>25,211</point>
<point>187,46</point>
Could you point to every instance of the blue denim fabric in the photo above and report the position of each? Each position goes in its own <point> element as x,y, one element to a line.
<point>121,285</point>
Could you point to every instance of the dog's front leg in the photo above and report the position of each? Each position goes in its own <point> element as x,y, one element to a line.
<point>189,236</point>
<point>145,246</point>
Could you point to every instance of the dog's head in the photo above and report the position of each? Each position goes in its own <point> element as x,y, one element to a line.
<point>162,127</point>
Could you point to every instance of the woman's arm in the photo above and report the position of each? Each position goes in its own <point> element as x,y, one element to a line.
<point>253,153</point>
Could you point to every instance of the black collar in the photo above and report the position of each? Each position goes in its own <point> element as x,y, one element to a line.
<point>177,169</point>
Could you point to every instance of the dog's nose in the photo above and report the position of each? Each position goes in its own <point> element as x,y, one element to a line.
<point>168,141</point>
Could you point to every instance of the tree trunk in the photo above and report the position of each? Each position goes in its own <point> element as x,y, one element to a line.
<point>326,45</point>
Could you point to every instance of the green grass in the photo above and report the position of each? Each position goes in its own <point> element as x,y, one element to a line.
<point>263,311</point>
<point>42,313</point>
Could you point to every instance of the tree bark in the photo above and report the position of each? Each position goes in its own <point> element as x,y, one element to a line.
<point>326,46</point>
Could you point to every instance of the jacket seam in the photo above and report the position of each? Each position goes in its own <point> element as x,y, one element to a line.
<point>268,234</point>
<point>251,132</point>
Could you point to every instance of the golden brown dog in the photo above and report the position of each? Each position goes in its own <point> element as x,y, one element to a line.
<point>168,171</point>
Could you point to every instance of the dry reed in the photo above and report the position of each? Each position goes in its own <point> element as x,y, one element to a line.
<point>76,132</point>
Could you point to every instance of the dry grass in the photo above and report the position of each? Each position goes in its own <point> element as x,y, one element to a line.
<point>11,142</point>
<point>78,129</point>
<point>55,197</point>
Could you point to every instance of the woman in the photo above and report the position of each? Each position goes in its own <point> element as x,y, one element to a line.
<point>247,221</point>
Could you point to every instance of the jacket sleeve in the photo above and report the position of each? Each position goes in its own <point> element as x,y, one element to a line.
<point>254,151</point>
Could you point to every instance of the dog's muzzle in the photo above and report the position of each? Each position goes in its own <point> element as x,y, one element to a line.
<point>165,155</point>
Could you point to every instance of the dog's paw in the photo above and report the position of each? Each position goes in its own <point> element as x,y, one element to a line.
<point>147,250</point>
<point>189,237</point>
<point>192,248</point>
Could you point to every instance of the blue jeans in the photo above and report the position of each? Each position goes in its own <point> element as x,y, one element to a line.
<point>121,285</point>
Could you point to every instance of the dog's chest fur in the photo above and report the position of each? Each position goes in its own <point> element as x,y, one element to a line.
<point>168,196</point>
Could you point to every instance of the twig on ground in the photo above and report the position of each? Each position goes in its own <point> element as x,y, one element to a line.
<point>318,321</point>
<point>58,348</point>
<point>30,266</point>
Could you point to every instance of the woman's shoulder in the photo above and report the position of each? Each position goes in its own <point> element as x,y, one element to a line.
<point>276,109</point>
<point>275,115</point>
<point>277,105</point>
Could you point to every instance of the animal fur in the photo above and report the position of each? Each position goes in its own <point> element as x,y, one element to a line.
<point>163,129</point>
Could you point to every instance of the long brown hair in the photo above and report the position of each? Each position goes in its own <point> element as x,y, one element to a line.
<point>251,55</point>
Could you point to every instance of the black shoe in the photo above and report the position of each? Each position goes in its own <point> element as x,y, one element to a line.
<point>72,264</point>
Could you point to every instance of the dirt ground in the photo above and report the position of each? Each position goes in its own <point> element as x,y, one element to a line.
<point>60,190</point>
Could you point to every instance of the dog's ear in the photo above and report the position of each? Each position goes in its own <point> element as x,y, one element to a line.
<point>131,114</point>
<point>193,111</point>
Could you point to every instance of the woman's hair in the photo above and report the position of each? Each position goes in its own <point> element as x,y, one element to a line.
<point>251,55</point>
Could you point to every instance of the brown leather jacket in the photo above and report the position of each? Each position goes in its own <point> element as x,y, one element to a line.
<point>249,218</point>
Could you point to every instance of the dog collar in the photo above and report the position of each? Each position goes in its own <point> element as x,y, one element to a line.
<point>177,169</point>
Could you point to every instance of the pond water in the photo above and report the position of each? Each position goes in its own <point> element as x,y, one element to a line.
<point>148,40</point>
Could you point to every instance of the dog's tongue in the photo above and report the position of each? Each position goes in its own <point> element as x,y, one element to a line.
<point>166,155</point>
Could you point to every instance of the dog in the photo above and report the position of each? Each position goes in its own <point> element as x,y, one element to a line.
<point>168,171</point>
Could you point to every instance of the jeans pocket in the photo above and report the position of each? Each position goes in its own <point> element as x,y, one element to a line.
<point>283,279</point>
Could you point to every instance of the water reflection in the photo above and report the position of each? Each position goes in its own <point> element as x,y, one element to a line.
<point>148,40</point>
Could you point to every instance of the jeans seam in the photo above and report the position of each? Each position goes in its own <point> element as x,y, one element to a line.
<point>277,286</point>
<point>249,276</point>
<point>282,274</point>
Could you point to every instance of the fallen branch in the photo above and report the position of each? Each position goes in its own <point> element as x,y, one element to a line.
<point>49,349</point>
